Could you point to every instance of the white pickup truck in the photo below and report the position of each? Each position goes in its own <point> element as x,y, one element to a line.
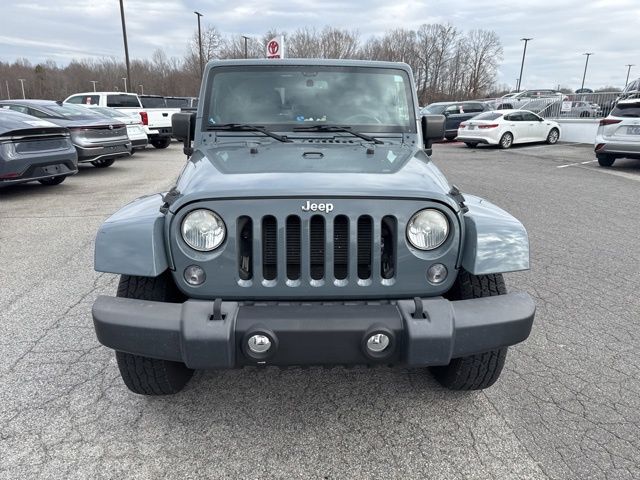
<point>156,121</point>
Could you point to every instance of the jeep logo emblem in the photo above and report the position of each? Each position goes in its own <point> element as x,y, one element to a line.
<point>317,207</point>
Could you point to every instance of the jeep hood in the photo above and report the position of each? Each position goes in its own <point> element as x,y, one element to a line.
<point>310,170</point>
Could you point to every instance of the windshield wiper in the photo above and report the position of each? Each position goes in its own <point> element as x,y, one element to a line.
<point>245,127</point>
<point>336,128</point>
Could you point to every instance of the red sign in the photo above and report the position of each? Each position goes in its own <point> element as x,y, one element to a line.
<point>273,47</point>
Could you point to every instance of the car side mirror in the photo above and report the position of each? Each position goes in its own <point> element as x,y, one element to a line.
<point>184,127</point>
<point>432,127</point>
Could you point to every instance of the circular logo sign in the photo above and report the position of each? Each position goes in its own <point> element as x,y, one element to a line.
<point>273,47</point>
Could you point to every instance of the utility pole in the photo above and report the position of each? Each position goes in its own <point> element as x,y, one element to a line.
<point>126,46</point>
<point>629,65</point>
<point>200,43</point>
<point>245,45</point>
<point>586,64</point>
<point>94,84</point>
<point>21,80</point>
<point>524,53</point>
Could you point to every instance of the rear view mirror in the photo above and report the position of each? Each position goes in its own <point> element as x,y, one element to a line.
<point>432,129</point>
<point>184,126</point>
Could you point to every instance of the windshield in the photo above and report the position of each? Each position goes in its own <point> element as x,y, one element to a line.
<point>435,109</point>
<point>72,112</point>
<point>283,97</point>
<point>153,102</point>
<point>488,116</point>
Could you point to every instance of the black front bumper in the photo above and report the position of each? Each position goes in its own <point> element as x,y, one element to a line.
<point>205,334</point>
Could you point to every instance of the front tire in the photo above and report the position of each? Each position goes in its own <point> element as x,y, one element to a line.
<point>506,140</point>
<point>103,163</point>
<point>479,371</point>
<point>162,142</point>
<point>471,144</point>
<point>143,375</point>
<point>52,181</point>
<point>553,136</point>
<point>450,138</point>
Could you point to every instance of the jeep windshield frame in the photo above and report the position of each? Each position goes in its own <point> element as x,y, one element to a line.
<point>282,97</point>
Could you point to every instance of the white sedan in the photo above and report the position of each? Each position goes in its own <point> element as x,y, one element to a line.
<point>506,127</point>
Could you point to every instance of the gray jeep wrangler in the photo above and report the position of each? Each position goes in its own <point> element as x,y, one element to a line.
<point>310,227</point>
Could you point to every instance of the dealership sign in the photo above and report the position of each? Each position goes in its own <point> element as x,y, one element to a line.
<point>275,47</point>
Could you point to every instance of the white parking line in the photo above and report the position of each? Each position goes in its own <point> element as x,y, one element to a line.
<point>574,164</point>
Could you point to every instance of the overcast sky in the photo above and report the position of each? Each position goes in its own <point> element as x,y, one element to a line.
<point>562,29</point>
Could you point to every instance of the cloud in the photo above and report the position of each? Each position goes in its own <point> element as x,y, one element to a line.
<point>562,31</point>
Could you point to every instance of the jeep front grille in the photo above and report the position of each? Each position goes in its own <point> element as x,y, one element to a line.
<point>317,250</point>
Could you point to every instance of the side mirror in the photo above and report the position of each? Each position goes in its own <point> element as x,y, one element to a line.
<point>184,127</point>
<point>432,129</point>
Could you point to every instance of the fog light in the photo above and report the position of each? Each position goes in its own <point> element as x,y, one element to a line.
<point>194,275</point>
<point>377,342</point>
<point>259,343</point>
<point>437,273</point>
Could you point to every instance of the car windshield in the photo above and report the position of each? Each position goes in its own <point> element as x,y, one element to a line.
<point>283,97</point>
<point>71,112</point>
<point>153,102</point>
<point>436,109</point>
<point>488,116</point>
<point>626,110</point>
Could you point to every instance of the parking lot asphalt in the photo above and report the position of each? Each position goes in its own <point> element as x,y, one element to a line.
<point>566,407</point>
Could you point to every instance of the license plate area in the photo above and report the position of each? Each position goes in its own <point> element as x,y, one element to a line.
<point>633,130</point>
<point>51,169</point>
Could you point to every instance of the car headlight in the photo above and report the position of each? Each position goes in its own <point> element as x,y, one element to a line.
<point>427,229</point>
<point>203,230</point>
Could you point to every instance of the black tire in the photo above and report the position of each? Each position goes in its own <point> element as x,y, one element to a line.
<point>506,140</point>
<point>103,163</point>
<point>161,142</point>
<point>143,375</point>
<point>471,144</point>
<point>553,136</point>
<point>52,181</point>
<point>585,114</point>
<point>450,138</point>
<point>605,160</point>
<point>479,371</point>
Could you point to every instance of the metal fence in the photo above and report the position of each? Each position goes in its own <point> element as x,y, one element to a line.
<point>575,105</point>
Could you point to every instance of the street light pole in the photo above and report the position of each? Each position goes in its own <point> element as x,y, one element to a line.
<point>21,80</point>
<point>124,79</point>
<point>126,46</point>
<point>141,89</point>
<point>6,82</point>
<point>524,53</point>
<point>200,43</point>
<point>245,45</point>
<point>629,65</point>
<point>586,64</point>
<point>94,84</point>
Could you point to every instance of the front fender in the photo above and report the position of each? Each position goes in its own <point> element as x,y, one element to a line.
<point>131,241</point>
<point>495,242</point>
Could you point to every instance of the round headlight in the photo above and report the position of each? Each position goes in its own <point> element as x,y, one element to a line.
<point>203,230</point>
<point>427,229</point>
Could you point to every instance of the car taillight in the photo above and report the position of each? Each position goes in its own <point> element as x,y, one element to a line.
<point>609,121</point>
<point>600,146</point>
<point>493,125</point>
<point>145,118</point>
<point>463,125</point>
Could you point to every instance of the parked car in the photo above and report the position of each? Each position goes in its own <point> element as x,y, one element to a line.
<point>156,121</point>
<point>98,140</point>
<point>135,130</point>
<point>32,149</point>
<point>455,113</point>
<point>316,234</point>
<point>506,127</point>
<point>631,90</point>
<point>619,134</point>
<point>583,109</point>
